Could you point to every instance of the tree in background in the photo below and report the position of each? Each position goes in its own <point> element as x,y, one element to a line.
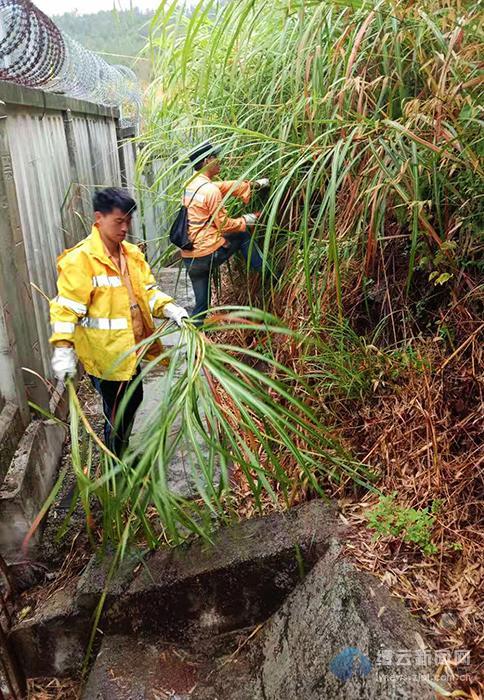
<point>119,36</point>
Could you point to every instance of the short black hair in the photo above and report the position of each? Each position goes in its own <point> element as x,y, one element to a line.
<point>113,198</point>
<point>205,150</point>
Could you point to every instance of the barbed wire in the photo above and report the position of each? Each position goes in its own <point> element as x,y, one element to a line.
<point>35,53</point>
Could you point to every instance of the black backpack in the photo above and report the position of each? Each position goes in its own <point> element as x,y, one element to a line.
<point>179,228</point>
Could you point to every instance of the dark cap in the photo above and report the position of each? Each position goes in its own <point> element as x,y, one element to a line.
<point>205,150</point>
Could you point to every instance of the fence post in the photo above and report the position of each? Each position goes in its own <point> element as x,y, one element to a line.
<point>122,160</point>
<point>122,136</point>
<point>15,289</point>
<point>75,198</point>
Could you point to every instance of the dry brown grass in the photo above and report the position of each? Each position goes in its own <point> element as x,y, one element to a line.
<point>421,432</point>
<point>426,442</point>
<point>53,689</point>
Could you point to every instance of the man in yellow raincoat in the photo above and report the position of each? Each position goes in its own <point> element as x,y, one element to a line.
<point>107,298</point>
<point>216,236</point>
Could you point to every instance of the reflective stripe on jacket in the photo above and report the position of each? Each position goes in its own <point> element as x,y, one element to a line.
<point>92,308</point>
<point>208,220</point>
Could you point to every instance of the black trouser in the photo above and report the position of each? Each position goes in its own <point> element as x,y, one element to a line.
<point>200,269</point>
<point>118,428</point>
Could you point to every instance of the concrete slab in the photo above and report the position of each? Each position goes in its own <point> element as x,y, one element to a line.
<point>28,482</point>
<point>338,635</point>
<point>188,595</point>
<point>146,668</point>
<point>93,582</point>
<point>143,669</point>
<point>53,640</point>
<point>11,429</point>
<point>175,282</point>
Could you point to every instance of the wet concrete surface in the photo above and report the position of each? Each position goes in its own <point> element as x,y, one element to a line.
<point>190,596</point>
<point>182,467</point>
<point>144,669</point>
<point>326,641</point>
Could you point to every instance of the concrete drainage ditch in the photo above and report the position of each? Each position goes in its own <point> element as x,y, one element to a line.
<point>271,611</point>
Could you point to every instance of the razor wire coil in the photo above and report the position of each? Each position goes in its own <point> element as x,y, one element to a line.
<point>35,53</point>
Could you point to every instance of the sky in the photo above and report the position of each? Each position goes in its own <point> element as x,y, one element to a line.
<point>57,7</point>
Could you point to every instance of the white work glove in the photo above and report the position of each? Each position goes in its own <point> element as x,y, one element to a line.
<point>262,184</point>
<point>64,363</point>
<point>175,313</point>
<point>251,219</point>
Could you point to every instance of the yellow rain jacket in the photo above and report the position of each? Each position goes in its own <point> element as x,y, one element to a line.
<point>92,308</point>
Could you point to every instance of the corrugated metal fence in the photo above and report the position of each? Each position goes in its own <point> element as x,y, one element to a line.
<point>54,151</point>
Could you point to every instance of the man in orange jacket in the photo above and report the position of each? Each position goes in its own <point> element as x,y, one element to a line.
<point>214,235</point>
<point>107,298</point>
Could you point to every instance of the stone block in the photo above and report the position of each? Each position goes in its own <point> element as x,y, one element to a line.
<point>28,482</point>
<point>53,640</point>
<point>94,579</point>
<point>338,635</point>
<point>181,596</point>
<point>193,593</point>
<point>138,669</point>
<point>11,429</point>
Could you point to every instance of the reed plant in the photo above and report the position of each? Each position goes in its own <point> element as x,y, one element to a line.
<point>218,421</point>
<point>366,117</point>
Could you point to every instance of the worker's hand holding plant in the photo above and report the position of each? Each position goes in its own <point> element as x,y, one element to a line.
<point>251,219</point>
<point>175,313</point>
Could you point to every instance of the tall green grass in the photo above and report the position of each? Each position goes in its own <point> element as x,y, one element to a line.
<point>366,116</point>
<point>225,422</point>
